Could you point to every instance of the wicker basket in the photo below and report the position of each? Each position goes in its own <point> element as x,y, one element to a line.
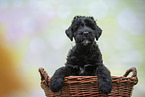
<point>87,86</point>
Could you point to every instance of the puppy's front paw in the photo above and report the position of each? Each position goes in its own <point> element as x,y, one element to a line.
<point>56,84</point>
<point>105,86</point>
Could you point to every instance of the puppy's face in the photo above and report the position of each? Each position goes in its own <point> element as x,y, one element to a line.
<point>84,30</point>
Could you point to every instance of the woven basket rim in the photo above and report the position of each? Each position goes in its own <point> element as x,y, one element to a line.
<point>87,85</point>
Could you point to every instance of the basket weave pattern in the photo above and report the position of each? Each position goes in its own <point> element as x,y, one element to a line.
<point>87,86</point>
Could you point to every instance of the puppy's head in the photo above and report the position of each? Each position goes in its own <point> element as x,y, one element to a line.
<point>84,30</point>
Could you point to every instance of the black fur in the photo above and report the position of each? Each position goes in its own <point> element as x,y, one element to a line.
<point>84,58</point>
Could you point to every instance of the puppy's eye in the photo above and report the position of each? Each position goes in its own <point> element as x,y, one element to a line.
<point>90,32</point>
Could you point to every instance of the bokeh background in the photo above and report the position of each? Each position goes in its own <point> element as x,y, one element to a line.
<point>32,35</point>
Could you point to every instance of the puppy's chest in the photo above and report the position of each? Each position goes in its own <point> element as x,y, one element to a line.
<point>85,59</point>
<point>85,63</point>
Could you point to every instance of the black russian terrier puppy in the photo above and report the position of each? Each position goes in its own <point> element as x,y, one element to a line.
<point>85,58</point>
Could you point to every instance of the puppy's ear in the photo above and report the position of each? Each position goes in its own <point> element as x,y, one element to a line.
<point>98,32</point>
<point>69,33</point>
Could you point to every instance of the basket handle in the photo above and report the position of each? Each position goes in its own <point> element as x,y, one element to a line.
<point>44,75</point>
<point>134,71</point>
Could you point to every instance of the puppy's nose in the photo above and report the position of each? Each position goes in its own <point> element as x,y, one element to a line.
<point>86,33</point>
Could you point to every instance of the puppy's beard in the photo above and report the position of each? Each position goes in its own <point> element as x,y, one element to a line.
<point>86,42</point>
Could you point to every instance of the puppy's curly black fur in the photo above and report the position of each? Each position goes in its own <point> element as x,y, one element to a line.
<point>84,58</point>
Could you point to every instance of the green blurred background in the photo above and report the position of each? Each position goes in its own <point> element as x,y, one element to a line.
<point>32,35</point>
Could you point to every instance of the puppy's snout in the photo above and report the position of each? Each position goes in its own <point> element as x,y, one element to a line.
<point>86,33</point>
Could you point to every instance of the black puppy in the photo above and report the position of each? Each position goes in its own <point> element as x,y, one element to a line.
<point>85,57</point>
